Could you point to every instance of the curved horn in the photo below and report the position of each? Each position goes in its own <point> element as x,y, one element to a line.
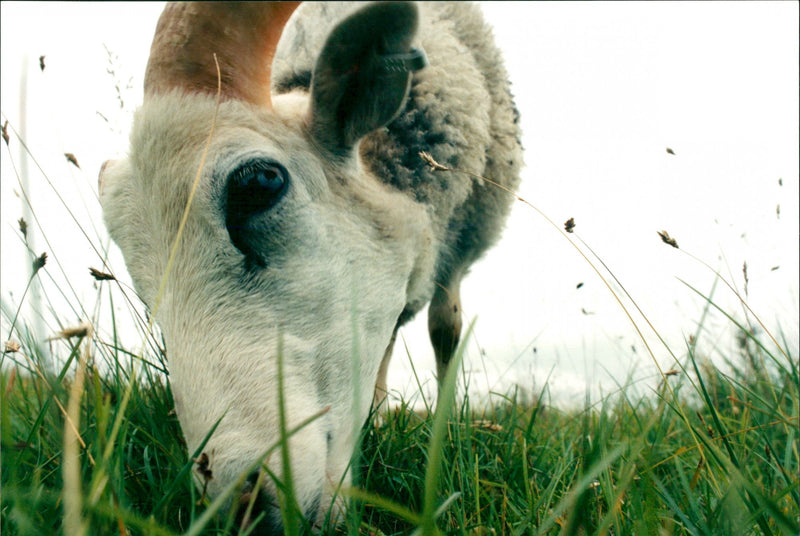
<point>242,34</point>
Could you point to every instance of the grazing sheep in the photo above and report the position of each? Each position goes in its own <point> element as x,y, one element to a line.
<point>315,229</point>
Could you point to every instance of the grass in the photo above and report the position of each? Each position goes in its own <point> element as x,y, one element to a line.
<point>94,447</point>
<point>709,452</point>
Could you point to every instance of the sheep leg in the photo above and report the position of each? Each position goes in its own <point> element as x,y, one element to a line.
<point>380,385</point>
<point>444,325</point>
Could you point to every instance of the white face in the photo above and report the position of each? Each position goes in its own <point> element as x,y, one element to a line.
<point>284,253</point>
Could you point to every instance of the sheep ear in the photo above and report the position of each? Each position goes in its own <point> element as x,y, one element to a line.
<point>363,73</point>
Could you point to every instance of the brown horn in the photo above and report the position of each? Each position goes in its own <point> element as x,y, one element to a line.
<point>243,35</point>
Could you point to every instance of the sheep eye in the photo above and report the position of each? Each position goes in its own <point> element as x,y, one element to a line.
<point>253,188</point>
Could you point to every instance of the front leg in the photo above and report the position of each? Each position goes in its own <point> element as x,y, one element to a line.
<point>380,385</point>
<point>444,325</point>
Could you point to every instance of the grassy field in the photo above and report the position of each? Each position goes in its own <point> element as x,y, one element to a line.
<point>710,452</point>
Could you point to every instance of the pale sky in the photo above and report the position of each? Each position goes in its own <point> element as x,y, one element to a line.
<point>603,90</point>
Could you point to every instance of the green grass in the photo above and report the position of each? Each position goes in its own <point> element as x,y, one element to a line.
<point>707,452</point>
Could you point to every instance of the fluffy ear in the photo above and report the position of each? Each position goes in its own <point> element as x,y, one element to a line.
<point>363,73</point>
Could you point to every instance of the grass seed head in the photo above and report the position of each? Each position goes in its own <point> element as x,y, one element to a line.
<point>83,329</point>
<point>72,160</point>
<point>203,467</point>
<point>569,225</point>
<point>668,239</point>
<point>5,132</point>
<point>101,276</point>
<point>39,262</point>
<point>435,166</point>
<point>9,347</point>
<point>23,227</point>
<point>746,278</point>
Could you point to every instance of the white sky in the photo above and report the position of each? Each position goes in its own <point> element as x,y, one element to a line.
<point>603,90</point>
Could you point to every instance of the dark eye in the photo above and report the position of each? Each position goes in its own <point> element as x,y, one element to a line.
<point>253,188</point>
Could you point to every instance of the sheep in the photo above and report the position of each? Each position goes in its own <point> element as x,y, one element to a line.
<point>314,229</point>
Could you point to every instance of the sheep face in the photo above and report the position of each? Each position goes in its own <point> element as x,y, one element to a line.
<point>278,295</point>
